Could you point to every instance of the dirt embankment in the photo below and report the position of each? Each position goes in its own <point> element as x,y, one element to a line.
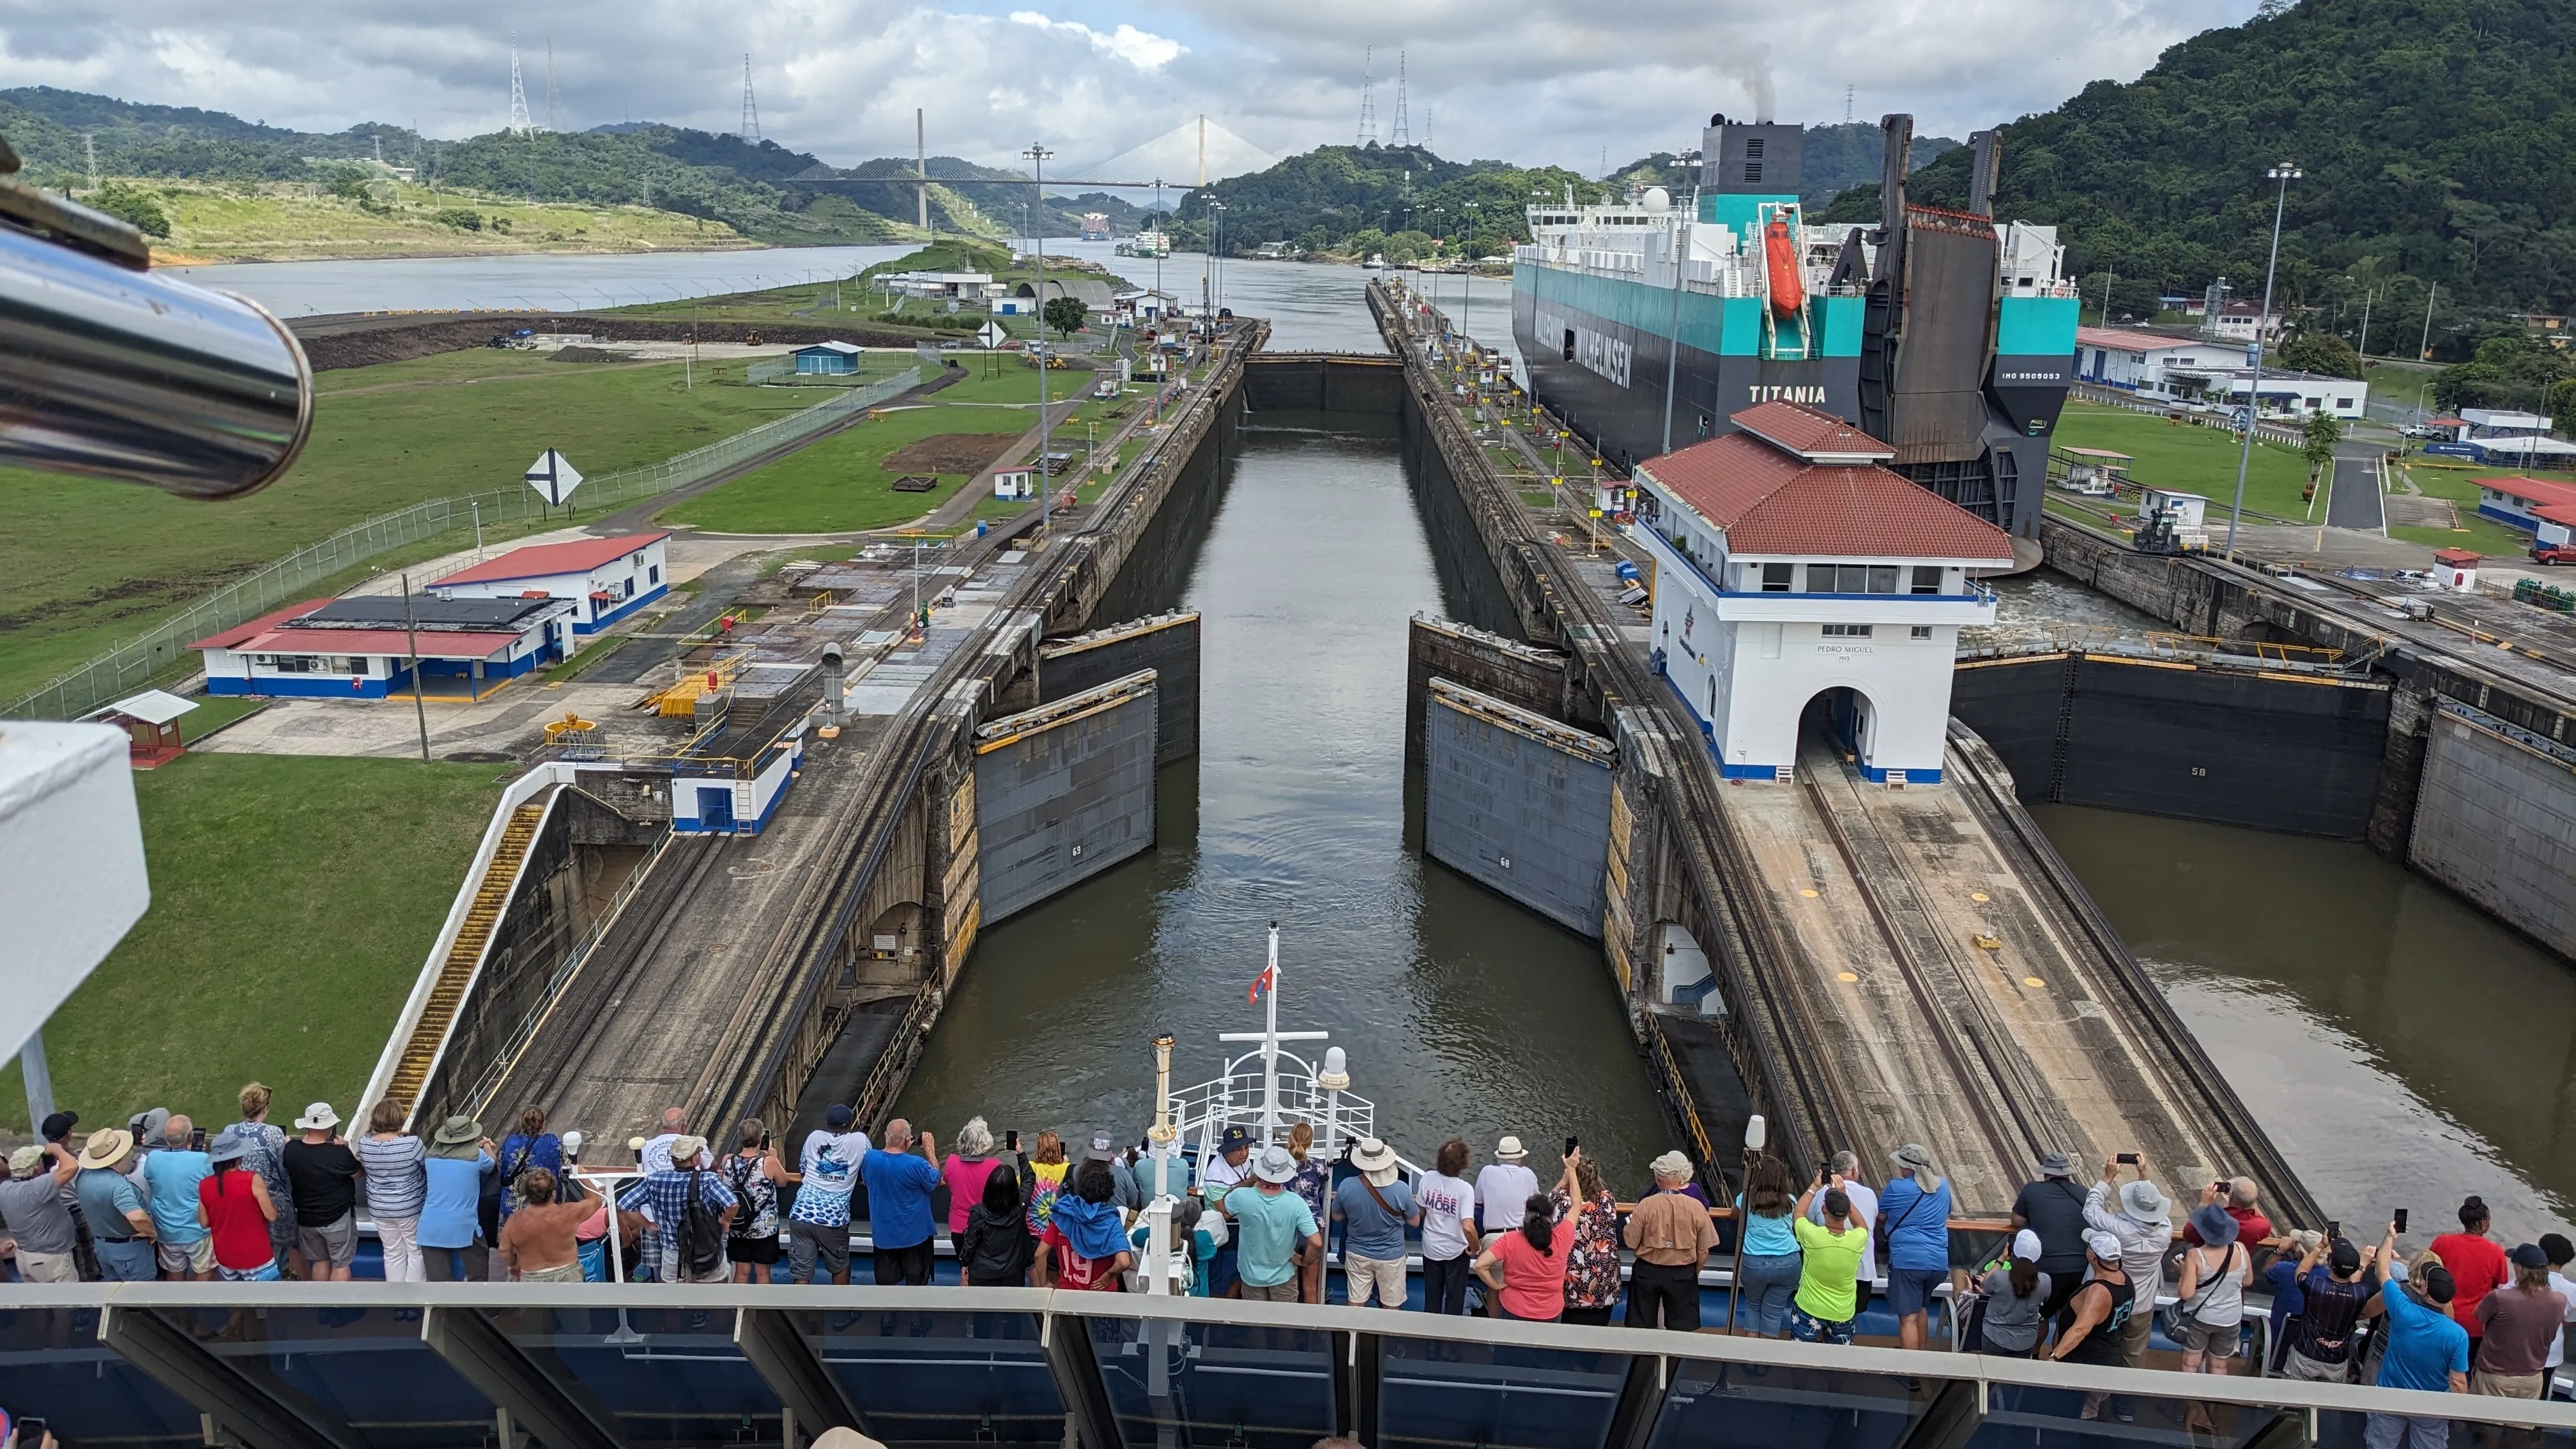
<point>362,341</point>
<point>968,453</point>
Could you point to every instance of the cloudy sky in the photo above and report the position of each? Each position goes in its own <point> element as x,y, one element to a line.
<point>1557,81</point>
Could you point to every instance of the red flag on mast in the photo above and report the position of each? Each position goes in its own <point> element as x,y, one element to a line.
<point>1266,981</point>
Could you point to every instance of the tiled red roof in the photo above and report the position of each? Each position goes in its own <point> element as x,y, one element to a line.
<point>433,645</point>
<point>1805,431</point>
<point>1770,502</point>
<point>545,560</point>
<point>229,638</point>
<point>2534,489</point>
<point>2557,513</point>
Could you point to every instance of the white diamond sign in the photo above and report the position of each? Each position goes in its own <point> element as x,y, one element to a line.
<point>553,477</point>
<point>992,334</point>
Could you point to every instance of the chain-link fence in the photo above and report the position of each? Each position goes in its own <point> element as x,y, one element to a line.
<point>162,650</point>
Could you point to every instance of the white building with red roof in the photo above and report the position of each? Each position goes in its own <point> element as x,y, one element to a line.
<point>1797,579</point>
<point>363,647</point>
<point>605,578</point>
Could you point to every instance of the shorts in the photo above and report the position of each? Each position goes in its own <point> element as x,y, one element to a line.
<point>2303,1369</point>
<point>124,1260</point>
<point>673,1272</point>
<point>753,1250</point>
<point>1275,1293</point>
<point>2387,1431</point>
<point>48,1267</point>
<point>1381,1278</point>
<point>1222,1272</point>
<point>264,1273</point>
<point>2507,1386</point>
<point>815,1250</point>
<point>2218,1340</point>
<point>559,1273</point>
<point>1807,1328</point>
<point>335,1243</point>
<point>181,1259</point>
<point>1909,1290</point>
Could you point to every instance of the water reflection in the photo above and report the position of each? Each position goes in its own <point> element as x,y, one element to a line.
<point>2401,1048</point>
<point>1461,1013</point>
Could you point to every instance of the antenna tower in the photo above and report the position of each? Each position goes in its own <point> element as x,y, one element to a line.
<point>1426,126</point>
<point>519,122</point>
<point>1403,132</point>
<point>554,96</point>
<point>1847,103</point>
<point>750,107</point>
<point>1368,97</point>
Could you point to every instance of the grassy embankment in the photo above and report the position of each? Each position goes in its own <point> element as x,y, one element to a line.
<point>282,938</point>
<point>853,299</point>
<point>2456,480</point>
<point>845,482</point>
<point>85,562</point>
<point>290,221</point>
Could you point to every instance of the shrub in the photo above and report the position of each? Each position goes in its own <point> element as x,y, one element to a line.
<point>133,205</point>
<point>458,217</point>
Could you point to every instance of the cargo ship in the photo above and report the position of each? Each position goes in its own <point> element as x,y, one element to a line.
<point>1647,322</point>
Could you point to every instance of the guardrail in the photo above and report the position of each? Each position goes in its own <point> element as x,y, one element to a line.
<point>133,663</point>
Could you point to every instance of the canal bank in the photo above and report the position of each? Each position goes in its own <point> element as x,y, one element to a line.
<point>1461,1014</point>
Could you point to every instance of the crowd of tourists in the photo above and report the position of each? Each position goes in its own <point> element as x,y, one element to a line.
<point>2078,1280</point>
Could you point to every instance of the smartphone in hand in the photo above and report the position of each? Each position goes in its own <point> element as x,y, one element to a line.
<point>2127,1159</point>
<point>2399,1217</point>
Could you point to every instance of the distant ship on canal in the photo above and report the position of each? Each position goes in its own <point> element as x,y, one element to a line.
<point>1944,332</point>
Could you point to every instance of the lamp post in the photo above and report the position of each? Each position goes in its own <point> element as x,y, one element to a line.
<point>1212,280</point>
<point>1755,1134</point>
<point>1038,156</point>
<point>2282,175</point>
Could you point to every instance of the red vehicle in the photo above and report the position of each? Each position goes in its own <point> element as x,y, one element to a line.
<point>2554,553</point>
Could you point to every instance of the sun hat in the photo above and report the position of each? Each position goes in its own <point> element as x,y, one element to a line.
<point>227,1146</point>
<point>2053,1164</point>
<point>2026,1246</point>
<point>2105,1246</point>
<point>2530,1256</point>
<point>2215,1227</point>
<point>105,1146</point>
<point>1375,1160</point>
<point>147,1125</point>
<point>2142,1202</point>
<point>1913,1157</point>
<point>1671,1164</point>
<point>838,1116</point>
<point>24,1160</point>
<point>684,1149</point>
<point>1510,1150</point>
<point>317,1118</point>
<point>1235,1139</point>
<point>459,1136</point>
<point>1274,1165</point>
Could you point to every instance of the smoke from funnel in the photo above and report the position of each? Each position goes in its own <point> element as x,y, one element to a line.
<point>1752,67</point>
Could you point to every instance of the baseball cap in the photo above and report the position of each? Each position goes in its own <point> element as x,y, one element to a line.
<point>24,1160</point>
<point>2438,1285</point>
<point>1100,1147</point>
<point>839,1115</point>
<point>2105,1246</point>
<point>2530,1256</point>
<point>2345,1256</point>
<point>60,1125</point>
<point>2025,1246</point>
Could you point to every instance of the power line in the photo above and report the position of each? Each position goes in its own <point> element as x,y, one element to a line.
<point>520,125</point>
<point>1368,97</point>
<point>750,107</point>
<point>1403,132</point>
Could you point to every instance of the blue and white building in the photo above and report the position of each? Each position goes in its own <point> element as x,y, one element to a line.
<point>362,647</point>
<point>1794,573</point>
<point>606,579</point>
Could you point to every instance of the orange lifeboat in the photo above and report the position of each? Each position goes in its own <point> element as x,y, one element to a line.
<point>1788,286</point>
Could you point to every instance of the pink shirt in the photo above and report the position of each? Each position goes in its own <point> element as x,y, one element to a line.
<point>965,1178</point>
<point>1533,1283</point>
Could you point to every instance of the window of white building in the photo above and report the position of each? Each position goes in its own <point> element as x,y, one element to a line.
<point>1847,631</point>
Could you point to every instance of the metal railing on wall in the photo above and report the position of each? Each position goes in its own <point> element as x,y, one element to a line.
<point>161,650</point>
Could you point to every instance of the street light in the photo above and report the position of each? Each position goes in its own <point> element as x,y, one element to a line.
<point>2282,175</point>
<point>1038,156</point>
<point>1212,286</point>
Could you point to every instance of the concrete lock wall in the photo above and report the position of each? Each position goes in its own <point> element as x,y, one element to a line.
<point>2270,750</point>
<point>1064,792</point>
<point>1520,804</point>
<point>1165,645</point>
<point>2496,821</point>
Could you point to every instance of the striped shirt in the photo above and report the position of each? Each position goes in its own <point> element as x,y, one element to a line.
<point>397,1180</point>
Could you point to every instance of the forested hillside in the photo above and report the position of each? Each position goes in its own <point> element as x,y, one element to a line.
<point>1396,199</point>
<point>2437,140</point>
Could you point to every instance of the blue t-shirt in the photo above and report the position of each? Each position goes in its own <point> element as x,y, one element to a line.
<point>1918,1225</point>
<point>1373,1232</point>
<point>1268,1226</point>
<point>105,1199</point>
<point>2425,1345</point>
<point>449,1216</point>
<point>899,1188</point>
<point>172,1175</point>
<point>1767,1237</point>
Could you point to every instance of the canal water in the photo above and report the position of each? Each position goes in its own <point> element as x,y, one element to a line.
<point>1462,1014</point>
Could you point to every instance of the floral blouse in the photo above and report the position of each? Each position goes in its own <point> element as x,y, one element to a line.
<point>1592,1264</point>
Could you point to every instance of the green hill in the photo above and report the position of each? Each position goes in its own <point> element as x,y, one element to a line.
<point>1392,198</point>
<point>2437,138</point>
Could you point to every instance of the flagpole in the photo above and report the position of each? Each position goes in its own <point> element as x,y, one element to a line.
<point>1270,1049</point>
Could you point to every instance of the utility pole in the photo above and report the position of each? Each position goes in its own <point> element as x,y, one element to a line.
<point>1038,155</point>
<point>411,641</point>
<point>89,149</point>
<point>1673,355</point>
<point>2284,174</point>
<point>2366,299</point>
<point>921,167</point>
<point>2424,350</point>
<point>2108,278</point>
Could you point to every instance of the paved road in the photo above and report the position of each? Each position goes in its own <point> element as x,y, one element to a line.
<point>2354,500</point>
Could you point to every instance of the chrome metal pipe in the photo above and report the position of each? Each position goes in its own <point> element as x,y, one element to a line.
<point>119,373</point>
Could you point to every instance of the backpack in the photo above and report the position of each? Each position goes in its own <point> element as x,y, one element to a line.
<point>701,1236</point>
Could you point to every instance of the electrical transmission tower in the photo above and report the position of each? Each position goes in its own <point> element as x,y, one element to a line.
<point>89,149</point>
<point>554,94</point>
<point>1847,103</point>
<point>750,107</point>
<point>1368,97</point>
<point>1403,132</point>
<point>1426,126</point>
<point>519,123</point>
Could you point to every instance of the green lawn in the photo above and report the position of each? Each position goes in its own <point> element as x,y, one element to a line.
<point>283,936</point>
<point>842,484</point>
<point>2193,459</point>
<point>2458,483</point>
<point>84,562</point>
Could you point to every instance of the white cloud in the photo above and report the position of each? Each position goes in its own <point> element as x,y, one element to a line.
<point>1563,81</point>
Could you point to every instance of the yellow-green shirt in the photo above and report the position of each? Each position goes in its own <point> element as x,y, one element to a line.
<point>1828,1270</point>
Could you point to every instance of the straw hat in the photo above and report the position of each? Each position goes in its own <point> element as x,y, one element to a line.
<point>1510,1150</point>
<point>1375,1160</point>
<point>106,1146</point>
